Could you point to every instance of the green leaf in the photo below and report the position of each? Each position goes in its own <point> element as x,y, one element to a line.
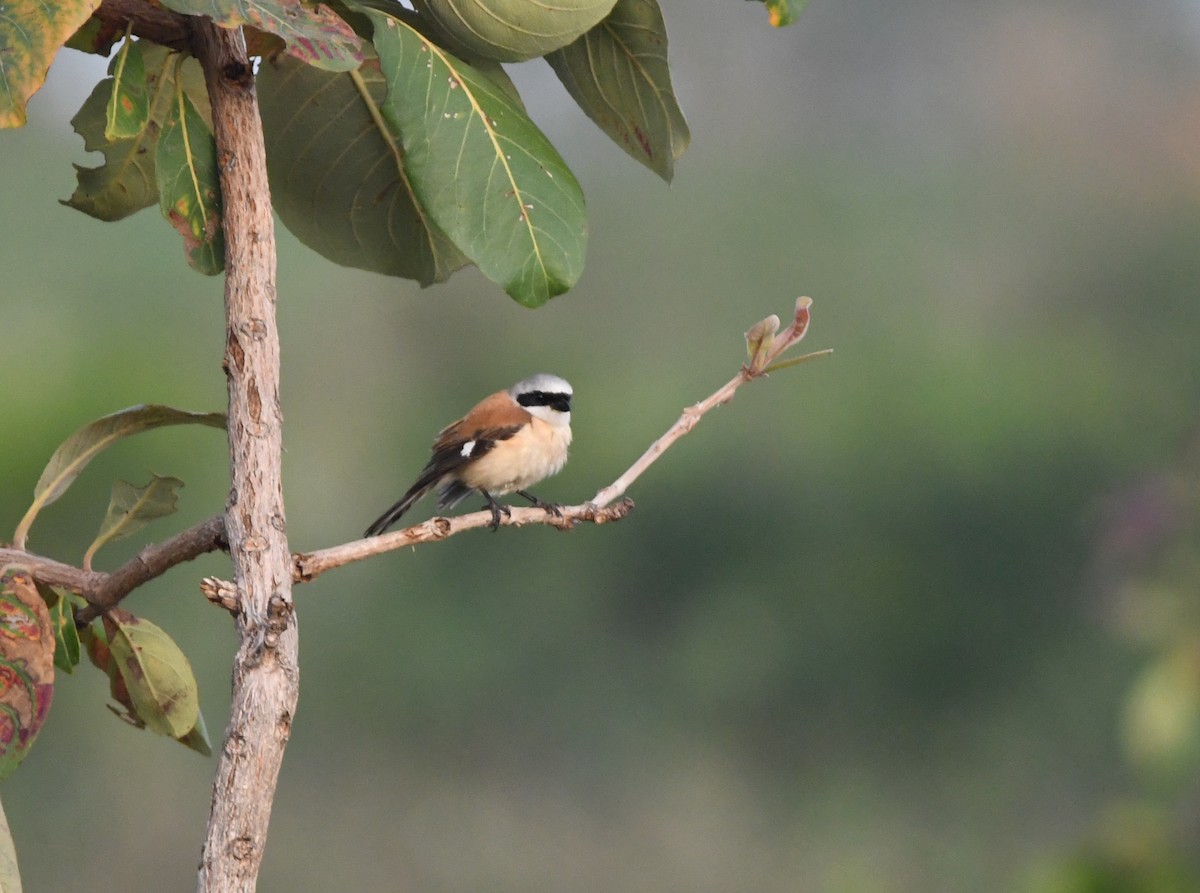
<point>132,508</point>
<point>487,176</point>
<point>197,739</point>
<point>129,102</point>
<point>759,341</point>
<point>337,175</point>
<point>514,30</point>
<point>31,31</point>
<point>429,26</point>
<point>162,689</point>
<point>62,621</point>
<point>618,74</point>
<point>189,190</point>
<point>313,34</point>
<point>783,12</point>
<point>80,448</point>
<point>127,181</point>
<point>10,875</point>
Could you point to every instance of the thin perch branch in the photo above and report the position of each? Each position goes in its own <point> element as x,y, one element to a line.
<point>310,565</point>
<point>104,591</point>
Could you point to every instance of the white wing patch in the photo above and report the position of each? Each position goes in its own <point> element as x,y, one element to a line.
<point>467,449</point>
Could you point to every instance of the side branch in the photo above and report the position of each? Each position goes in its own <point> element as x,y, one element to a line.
<point>104,591</point>
<point>152,22</point>
<point>309,565</point>
<point>153,561</point>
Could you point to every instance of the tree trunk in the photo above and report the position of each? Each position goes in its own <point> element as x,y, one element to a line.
<point>265,670</point>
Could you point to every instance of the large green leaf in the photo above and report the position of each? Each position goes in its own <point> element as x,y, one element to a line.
<point>127,181</point>
<point>337,175</point>
<point>73,455</point>
<point>514,30</point>
<point>31,31</point>
<point>430,27</point>
<point>189,188</point>
<point>131,508</point>
<point>618,74</point>
<point>312,33</point>
<point>484,172</point>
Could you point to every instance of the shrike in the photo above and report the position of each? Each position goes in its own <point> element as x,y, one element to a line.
<point>505,444</point>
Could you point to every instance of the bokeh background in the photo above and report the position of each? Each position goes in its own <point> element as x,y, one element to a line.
<point>918,617</point>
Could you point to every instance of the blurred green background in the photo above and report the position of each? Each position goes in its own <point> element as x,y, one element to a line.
<point>918,617</point>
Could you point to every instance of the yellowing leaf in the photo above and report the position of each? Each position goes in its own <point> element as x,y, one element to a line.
<point>129,103</point>
<point>31,33</point>
<point>127,181</point>
<point>189,189</point>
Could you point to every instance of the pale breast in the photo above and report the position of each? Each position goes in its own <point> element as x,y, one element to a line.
<point>531,455</point>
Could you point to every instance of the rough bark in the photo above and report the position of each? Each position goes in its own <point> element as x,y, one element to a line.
<point>265,670</point>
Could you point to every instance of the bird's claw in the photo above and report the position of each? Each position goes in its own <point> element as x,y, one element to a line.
<point>550,508</point>
<point>497,510</point>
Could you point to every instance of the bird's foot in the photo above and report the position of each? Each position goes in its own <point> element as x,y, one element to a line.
<point>496,509</point>
<point>551,508</point>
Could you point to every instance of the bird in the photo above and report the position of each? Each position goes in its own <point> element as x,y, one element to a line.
<point>508,442</point>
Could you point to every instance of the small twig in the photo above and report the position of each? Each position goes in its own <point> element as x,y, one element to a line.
<point>764,347</point>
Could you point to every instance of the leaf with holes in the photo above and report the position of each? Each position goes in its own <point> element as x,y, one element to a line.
<point>189,191</point>
<point>484,172</point>
<point>618,74</point>
<point>31,32</point>
<point>131,508</point>
<point>127,181</point>
<point>73,455</point>
<point>337,173</point>
<point>514,30</point>
<point>312,33</point>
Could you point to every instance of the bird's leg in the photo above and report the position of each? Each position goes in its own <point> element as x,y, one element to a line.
<point>496,509</point>
<point>552,508</point>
